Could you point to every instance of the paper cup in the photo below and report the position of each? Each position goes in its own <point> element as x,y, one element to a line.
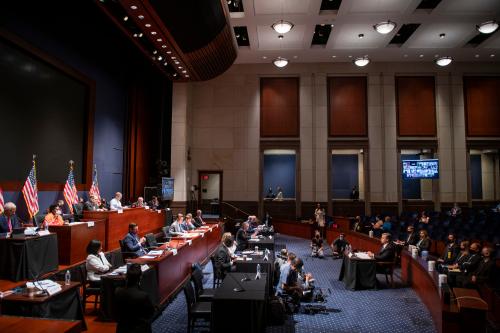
<point>431,265</point>
<point>443,279</point>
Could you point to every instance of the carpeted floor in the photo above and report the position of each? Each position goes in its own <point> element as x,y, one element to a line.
<point>383,310</point>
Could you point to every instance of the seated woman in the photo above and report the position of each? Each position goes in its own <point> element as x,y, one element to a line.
<point>424,219</point>
<point>424,244</point>
<point>317,245</point>
<point>54,216</point>
<point>96,262</point>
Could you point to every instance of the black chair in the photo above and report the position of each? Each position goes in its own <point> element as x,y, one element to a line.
<point>88,289</point>
<point>202,294</point>
<point>196,310</point>
<point>126,254</point>
<point>166,234</point>
<point>217,275</point>
<point>78,211</point>
<point>151,242</point>
<point>38,220</point>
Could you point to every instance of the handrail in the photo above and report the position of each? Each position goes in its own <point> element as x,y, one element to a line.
<point>234,207</point>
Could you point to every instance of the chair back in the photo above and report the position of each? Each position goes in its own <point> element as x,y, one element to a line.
<point>197,278</point>
<point>124,250</point>
<point>38,220</point>
<point>151,240</point>
<point>217,273</point>
<point>190,296</point>
<point>166,234</point>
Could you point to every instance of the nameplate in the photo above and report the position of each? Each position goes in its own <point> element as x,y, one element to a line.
<point>43,233</point>
<point>54,289</point>
<point>159,211</point>
<point>146,207</point>
<point>202,234</point>
<point>90,224</point>
<point>190,242</point>
<point>120,211</point>
<point>174,251</point>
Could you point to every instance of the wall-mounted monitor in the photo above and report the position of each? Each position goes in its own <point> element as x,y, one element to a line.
<point>420,169</point>
<point>167,188</point>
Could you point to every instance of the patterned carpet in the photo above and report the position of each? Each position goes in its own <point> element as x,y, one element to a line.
<point>395,310</point>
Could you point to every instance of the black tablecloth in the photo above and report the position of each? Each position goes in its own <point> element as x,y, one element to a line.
<point>27,258</point>
<point>263,243</point>
<point>149,283</point>
<point>358,274</point>
<point>250,267</point>
<point>65,305</point>
<point>243,311</point>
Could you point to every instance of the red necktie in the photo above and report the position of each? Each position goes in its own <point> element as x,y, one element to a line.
<point>10,224</point>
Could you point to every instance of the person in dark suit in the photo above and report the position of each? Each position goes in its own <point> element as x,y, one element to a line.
<point>132,241</point>
<point>463,255</point>
<point>9,220</point>
<point>134,309</point>
<point>339,245</point>
<point>470,265</point>
<point>424,243</point>
<point>388,250</point>
<point>450,252</point>
<point>198,220</point>
<point>411,237</point>
<point>223,258</point>
<point>242,237</point>
<point>483,274</point>
<point>354,193</point>
<point>154,203</point>
<point>92,205</point>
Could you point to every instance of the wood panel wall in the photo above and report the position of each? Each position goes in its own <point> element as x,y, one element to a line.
<point>279,107</point>
<point>347,106</point>
<point>416,105</point>
<point>482,105</point>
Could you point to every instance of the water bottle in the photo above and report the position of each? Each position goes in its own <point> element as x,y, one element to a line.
<point>67,278</point>
<point>258,272</point>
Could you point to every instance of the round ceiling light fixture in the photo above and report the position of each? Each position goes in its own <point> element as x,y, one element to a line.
<point>444,61</point>
<point>361,61</point>
<point>487,27</point>
<point>384,27</point>
<point>282,27</point>
<point>280,62</point>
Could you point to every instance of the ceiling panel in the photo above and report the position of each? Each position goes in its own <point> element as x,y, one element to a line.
<point>470,7</point>
<point>268,38</point>
<point>427,36</point>
<point>267,7</point>
<point>379,6</point>
<point>346,37</point>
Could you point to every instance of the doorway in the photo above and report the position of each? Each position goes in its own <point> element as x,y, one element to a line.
<point>210,192</point>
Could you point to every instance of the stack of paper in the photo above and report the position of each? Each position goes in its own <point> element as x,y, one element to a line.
<point>155,253</point>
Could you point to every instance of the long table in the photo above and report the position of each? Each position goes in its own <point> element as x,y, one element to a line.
<point>116,223</point>
<point>173,268</point>
<point>73,238</point>
<point>14,324</point>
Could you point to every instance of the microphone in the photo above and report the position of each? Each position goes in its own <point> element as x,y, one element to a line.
<point>239,288</point>
<point>246,278</point>
<point>35,281</point>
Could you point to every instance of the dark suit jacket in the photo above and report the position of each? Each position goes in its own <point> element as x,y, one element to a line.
<point>242,238</point>
<point>425,245</point>
<point>386,254</point>
<point>484,271</point>
<point>132,244</point>
<point>134,310</point>
<point>90,206</point>
<point>4,225</point>
<point>222,261</point>
<point>450,254</point>
<point>471,263</point>
<point>197,222</point>
<point>411,239</point>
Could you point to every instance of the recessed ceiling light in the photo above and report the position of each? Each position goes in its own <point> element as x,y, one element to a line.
<point>406,56</point>
<point>421,56</point>
<point>125,18</point>
<point>187,75</point>
<point>165,63</point>
<point>264,57</point>
<point>384,27</point>
<point>444,61</point>
<point>160,58</point>
<point>164,46</point>
<point>443,35</point>
<point>361,61</point>
<point>477,56</point>
<point>140,34</point>
<point>153,32</point>
<point>361,35</point>
<point>155,52</point>
<point>180,67</point>
<point>176,62</point>
<point>350,56</point>
<point>184,71</point>
<point>436,55</point>
<point>159,39</point>
<point>173,58</point>
<point>331,25</point>
<point>334,56</point>
<point>175,74</point>
<point>147,25</point>
<point>492,55</point>
<point>141,17</point>
<point>280,62</point>
<point>135,35</point>
<point>282,27</point>
<point>133,7</point>
<point>295,57</point>
<point>487,27</point>
<point>168,52</point>
<point>280,36</point>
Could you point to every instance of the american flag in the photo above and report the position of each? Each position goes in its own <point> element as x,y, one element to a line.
<point>70,192</point>
<point>2,203</point>
<point>94,189</point>
<point>30,192</point>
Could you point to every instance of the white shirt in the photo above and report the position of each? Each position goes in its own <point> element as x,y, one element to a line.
<point>96,264</point>
<point>115,204</point>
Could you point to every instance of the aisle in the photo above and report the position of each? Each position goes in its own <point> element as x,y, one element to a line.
<point>394,310</point>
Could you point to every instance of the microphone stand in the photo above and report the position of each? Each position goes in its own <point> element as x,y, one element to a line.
<point>239,288</point>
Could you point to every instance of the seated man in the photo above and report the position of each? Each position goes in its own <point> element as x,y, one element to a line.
<point>9,219</point>
<point>132,242</point>
<point>188,225</point>
<point>198,220</point>
<point>483,274</point>
<point>134,309</point>
<point>139,203</point>
<point>223,257</point>
<point>242,237</point>
<point>317,245</point>
<point>470,265</point>
<point>115,203</point>
<point>154,203</point>
<point>175,228</point>
<point>450,252</point>
<point>92,205</point>
<point>297,282</point>
<point>411,237</point>
<point>387,252</point>
<point>339,245</point>
<point>54,216</point>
